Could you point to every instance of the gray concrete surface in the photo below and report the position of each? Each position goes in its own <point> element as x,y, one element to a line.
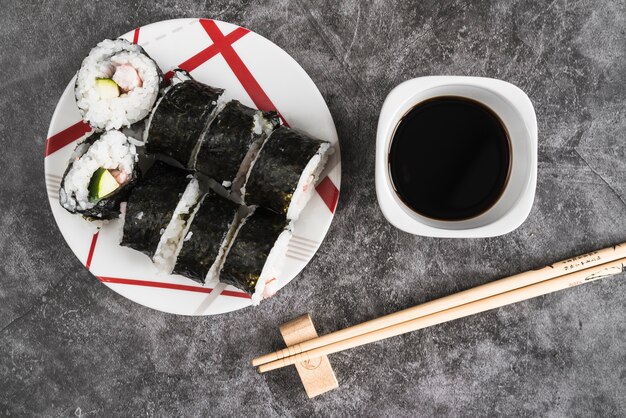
<point>71,347</point>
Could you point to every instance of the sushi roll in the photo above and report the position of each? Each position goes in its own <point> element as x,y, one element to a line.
<point>117,85</point>
<point>207,240</point>
<point>257,254</point>
<point>232,142</point>
<point>181,118</point>
<point>284,175</point>
<point>159,212</point>
<point>102,171</point>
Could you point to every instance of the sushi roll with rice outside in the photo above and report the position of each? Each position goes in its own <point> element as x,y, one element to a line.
<point>100,175</point>
<point>283,176</point>
<point>117,85</point>
<point>257,254</point>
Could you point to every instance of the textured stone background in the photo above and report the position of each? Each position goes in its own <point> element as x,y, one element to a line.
<point>70,346</point>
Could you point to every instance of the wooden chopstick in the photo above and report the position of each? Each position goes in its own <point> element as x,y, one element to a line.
<point>482,305</point>
<point>517,281</point>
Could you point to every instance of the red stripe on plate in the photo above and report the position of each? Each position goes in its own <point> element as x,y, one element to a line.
<point>329,193</point>
<point>209,52</point>
<point>136,36</point>
<point>200,58</point>
<point>243,74</point>
<point>66,137</point>
<point>92,249</point>
<point>173,286</point>
<point>235,294</point>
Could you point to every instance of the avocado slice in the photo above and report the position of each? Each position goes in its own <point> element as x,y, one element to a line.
<point>102,184</point>
<point>107,88</point>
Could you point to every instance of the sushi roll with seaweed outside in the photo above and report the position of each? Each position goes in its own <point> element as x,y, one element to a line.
<point>208,238</point>
<point>181,118</point>
<point>100,175</point>
<point>232,142</point>
<point>283,176</point>
<point>159,213</point>
<point>257,254</point>
<point>117,85</point>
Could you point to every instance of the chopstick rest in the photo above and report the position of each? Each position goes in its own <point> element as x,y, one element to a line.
<point>316,374</point>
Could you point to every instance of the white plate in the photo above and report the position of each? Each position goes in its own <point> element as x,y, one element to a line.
<point>254,71</point>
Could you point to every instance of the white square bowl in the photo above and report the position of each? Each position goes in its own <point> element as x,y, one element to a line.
<point>515,110</point>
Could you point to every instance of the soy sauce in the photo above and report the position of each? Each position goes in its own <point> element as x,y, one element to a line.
<point>450,158</point>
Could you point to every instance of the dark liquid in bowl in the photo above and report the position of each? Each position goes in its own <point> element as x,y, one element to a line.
<point>450,158</point>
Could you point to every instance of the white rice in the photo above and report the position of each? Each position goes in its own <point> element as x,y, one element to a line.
<point>112,151</point>
<point>179,77</point>
<point>146,130</point>
<point>172,236</point>
<point>118,227</point>
<point>306,184</point>
<point>128,108</point>
<point>267,285</point>
<point>213,274</point>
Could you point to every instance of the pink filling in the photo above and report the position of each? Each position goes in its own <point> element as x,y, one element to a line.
<point>127,78</point>
<point>270,288</point>
<point>120,176</point>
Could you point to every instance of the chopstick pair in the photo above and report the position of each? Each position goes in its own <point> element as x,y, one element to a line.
<point>527,285</point>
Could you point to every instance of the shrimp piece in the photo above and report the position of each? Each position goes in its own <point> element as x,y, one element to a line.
<point>120,176</point>
<point>127,78</point>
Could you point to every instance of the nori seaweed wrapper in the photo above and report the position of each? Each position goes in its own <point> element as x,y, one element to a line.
<point>151,206</point>
<point>109,206</point>
<point>229,138</point>
<point>251,248</point>
<point>276,172</point>
<point>208,230</point>
<point>180,119</point>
